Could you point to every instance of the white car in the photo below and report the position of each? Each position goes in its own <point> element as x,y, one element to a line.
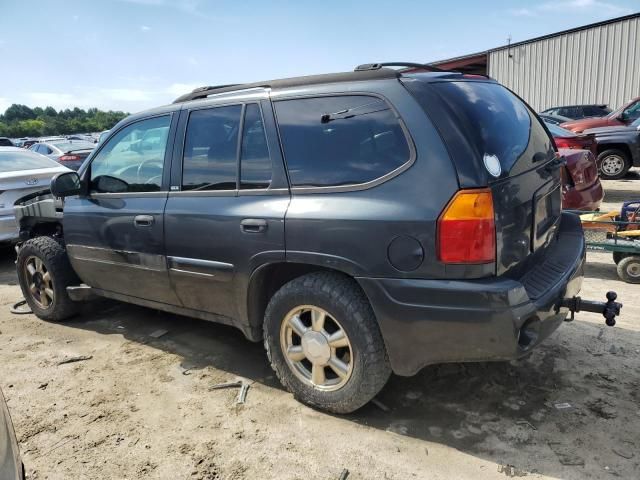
<point>21,172</point>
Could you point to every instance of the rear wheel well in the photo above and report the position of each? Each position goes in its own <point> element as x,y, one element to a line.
<point>267,280</point>
<point>623,147</point>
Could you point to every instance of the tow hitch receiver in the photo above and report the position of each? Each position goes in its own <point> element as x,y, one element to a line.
<point>609,309</point>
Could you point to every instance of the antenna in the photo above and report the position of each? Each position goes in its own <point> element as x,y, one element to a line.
<point>509,46</point>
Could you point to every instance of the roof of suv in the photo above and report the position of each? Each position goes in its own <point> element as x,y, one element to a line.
<point>372,71</point>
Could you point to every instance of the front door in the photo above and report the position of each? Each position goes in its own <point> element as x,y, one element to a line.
<point>225,212</point>
<point>114,230</point>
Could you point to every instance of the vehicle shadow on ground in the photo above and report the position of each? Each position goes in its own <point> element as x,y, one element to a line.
<point>502,412</point>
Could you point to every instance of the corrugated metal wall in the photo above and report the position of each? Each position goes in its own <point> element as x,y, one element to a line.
<point>598,65</point>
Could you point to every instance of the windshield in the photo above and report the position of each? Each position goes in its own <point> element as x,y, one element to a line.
<point>13,161</point>
<point>72,146</point>
<point>557,131</point>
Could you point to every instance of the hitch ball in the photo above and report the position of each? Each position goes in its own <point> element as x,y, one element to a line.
<point>611,309</point>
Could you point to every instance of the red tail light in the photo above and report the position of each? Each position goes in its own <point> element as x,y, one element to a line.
<point>69,158</point>
<point>466,228</point>
<point>568,142</point>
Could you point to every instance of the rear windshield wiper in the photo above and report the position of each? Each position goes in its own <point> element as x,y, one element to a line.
<point>379,106</point>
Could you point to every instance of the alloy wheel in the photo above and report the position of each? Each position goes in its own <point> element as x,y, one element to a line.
<point>316,348</point>
<point>39,281</point>
<point>612,165</point>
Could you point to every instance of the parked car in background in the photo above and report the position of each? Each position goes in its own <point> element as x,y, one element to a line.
<point>581,187</point>
<point>11,467</point>
<point>82,137</point>
<point>21,172</point>
<point>618,149</point>
<point>553,119</point>
<point>475,270</point>
<point>29,142</point>
<point>623,116</point>
<point>6,142</point>
<point>70,153</point>
<point>103,135</point>
<point>567,139</point>
<point>576,112</point>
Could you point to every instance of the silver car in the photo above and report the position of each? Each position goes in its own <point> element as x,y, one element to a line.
<point>21,172</point>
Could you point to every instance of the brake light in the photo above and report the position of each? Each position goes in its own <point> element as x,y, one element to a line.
<point>466,228</point>
<point>565,142</point>
<point>69,158</point>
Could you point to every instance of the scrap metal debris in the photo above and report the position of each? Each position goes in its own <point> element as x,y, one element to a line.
<point>344,474</point>
<point>380,405</point>
<point>79,358</point>
<point>158,333</point>
<point>220,386</point>
<point>524,422</point>
<point>242,394</point>
<point>562,406</point>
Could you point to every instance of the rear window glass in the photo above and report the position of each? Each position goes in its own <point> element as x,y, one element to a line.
<point>15,161</point>
<point>340,140</point>
<point>494,121</point>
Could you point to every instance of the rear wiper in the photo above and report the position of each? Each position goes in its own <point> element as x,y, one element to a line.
<point>350,112</point>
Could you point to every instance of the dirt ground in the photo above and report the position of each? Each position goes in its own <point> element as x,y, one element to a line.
<point>141,407</point>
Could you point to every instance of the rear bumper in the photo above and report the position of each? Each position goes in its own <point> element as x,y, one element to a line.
<point>588,199</point>
<point>435,321</point>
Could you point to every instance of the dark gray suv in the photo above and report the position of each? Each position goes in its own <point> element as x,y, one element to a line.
<point>358,223</point>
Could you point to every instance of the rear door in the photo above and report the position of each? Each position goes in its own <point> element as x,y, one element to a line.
<point>115,231</point>
<point>225,212</point>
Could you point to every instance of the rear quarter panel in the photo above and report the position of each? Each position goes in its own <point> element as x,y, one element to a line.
<point>351,230</point>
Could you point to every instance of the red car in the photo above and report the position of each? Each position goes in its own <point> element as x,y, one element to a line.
<point>567,139</point>
<point>624,115</point>
<point>581,188</point>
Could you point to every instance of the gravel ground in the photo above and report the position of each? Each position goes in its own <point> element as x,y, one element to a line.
<point>138,406</point>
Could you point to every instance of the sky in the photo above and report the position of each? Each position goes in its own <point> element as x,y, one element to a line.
<point>135,54</point>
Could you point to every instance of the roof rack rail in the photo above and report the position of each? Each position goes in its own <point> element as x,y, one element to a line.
<point>378,66</point>
<point>202,92</point>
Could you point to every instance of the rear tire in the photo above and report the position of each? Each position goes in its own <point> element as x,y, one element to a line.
<point>338,328</point>
<point>629,269</point>
<point>45,273</point>
<point>613,164</point>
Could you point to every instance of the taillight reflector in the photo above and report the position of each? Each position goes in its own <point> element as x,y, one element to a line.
<point>466,228</point>
<point>69,158</point>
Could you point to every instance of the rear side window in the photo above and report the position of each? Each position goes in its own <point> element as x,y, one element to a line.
<point>494,121</point>
<point>340,140</point>
<point>210,149</point>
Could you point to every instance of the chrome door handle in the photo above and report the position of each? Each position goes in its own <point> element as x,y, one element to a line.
<point>143,220</point>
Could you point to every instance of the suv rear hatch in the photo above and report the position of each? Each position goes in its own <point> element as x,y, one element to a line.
<point>495,140</point>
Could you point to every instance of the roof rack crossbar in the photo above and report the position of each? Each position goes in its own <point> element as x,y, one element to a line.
<point>378,66</point>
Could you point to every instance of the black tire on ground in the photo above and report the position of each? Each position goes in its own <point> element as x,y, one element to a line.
<point>629,269</point>
<point>609,160</point>
<point>618,256</point>
<point>341,298</point>
<point>61,275</point>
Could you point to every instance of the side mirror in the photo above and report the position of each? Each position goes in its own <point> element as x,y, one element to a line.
<point>65,184</point>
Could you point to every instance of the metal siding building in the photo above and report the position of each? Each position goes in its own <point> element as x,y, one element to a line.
<point>598,63</point>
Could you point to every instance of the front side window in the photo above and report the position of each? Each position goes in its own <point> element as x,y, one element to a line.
<point>255,163</point>
<point>632,112</point>
<point>340,140</point>
<point>211,148</point>
<point>133,159</point>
